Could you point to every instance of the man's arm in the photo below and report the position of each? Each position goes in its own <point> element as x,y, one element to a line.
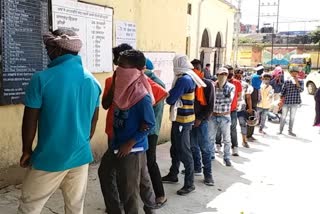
<point>249,103</point>
<point>105,98</point>
<point>94,122</point>
<point>182,85</point>
<point>301,86</point>
<point>29,129</point>
<point>148,123</point>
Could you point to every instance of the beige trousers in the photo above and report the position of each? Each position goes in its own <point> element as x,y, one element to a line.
<point>38,186</point>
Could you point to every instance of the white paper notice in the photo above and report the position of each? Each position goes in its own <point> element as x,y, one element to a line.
<point>94,26</point>
<point>163,66</point>
<point>126,33</point>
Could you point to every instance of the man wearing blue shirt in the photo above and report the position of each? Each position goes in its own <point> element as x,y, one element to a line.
<point>183,92</point>
<point>63,102</point>
<point>134,118</point>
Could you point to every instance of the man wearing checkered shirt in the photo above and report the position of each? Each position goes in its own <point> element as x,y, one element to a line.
<point>291,99</point>
<point>221,115</point>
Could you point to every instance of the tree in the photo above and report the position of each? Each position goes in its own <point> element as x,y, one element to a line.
<point>315,36</point>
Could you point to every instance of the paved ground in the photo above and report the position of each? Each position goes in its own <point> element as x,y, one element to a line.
<point>278,175</point>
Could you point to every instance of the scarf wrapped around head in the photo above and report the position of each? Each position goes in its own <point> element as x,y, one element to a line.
<point>64,41</point>
<point>181,66</point>
<point>131,86</point>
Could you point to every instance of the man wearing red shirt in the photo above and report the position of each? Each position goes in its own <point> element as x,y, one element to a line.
<point>234,118</point>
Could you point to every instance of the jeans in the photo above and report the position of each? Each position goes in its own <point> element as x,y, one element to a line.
<point>263,117</point>
<point>224,123</point>
<point>242,115</point>
<point>285,109</point>
<point>132,175</point>
<point>233,131</point>
<point>181,151</point>
<point>200,143</point>
<point>153,167</point>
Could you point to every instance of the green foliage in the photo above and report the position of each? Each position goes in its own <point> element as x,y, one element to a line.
<point>246,40</point>
<point>315,36</point>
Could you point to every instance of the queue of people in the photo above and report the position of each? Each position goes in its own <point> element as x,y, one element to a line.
<point>204,114</point>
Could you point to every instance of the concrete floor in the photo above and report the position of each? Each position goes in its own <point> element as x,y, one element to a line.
<point>277,175</point>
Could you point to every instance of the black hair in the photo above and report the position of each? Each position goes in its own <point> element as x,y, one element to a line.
<point>229,67</point>
<point>65,31</point>
<point>238,71</point>
<point>132,58</point>
<point>259,64</point>
<point>208,64</point>
<point>117,50</point>
<point>196,62</point>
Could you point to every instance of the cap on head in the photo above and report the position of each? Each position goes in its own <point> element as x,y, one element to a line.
<point>222,70</point>
<point>65,39</point>
<point>149,64</point>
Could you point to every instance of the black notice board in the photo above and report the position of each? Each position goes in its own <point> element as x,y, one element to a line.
<point>22,50</point>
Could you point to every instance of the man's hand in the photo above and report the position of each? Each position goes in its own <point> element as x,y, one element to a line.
<point>197,123</point>
<point>144,127</point>
<point>250,110</point>
<point>296,81</point>
<point>126,148</point>
<point>281,103</point>
<point>25,159</point>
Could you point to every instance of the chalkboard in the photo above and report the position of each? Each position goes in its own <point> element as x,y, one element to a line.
<point>22,51</point>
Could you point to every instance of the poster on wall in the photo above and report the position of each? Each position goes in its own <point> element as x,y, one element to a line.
<point>126,33</point>
<point>163,66</point>
<point>94,26</point>
<point>280,56</point>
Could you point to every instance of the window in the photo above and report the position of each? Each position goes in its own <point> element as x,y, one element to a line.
<point>188,46</point>
<point>189,9</point>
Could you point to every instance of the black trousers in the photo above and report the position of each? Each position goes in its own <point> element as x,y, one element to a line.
<point>153,167</point>
<point>132,175</point>
<point>181,151</point>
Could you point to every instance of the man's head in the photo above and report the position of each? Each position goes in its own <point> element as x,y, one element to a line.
<point>208,66</point>
<point>117,50</point>
<point>259,70</point>
<point>196,64</point>
<point>238,74</point>
<point>230,71</point>
<point>222,75</point>
<point>266,77</point>
<point>132,59</point>
<point>294,71</point>
<point>61,42</point>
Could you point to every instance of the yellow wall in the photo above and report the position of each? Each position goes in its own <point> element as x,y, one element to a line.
<point>215,16</point>
<point>160,27</point>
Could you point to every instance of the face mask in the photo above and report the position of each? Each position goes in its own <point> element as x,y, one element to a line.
<point>222,80</point>
<point>266,82</point>
<point>230,76</point>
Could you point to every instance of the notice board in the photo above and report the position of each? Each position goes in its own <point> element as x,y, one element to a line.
<point>126,33</point>
<point>94,26</point>
<point>163,66</point>
<point>22,52</point>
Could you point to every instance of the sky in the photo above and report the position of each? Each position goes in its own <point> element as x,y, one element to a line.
<point>290,10</point>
